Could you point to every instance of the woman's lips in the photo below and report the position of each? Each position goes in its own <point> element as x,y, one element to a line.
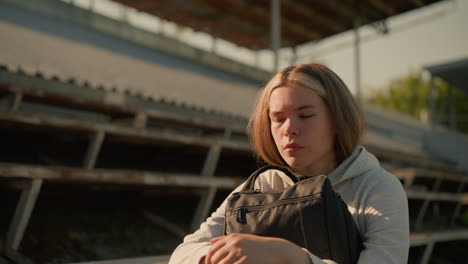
<point>290,148</point>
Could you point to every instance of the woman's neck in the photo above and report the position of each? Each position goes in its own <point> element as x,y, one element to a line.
<point>323,167</point>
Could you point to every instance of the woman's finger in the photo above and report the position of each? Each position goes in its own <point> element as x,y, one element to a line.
<point>216,239</point>
<point>214,248</point>
<point>231,258</point>
<point>218,255</point>
<point>242,260</point>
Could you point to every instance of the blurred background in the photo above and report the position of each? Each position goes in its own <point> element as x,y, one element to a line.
<point>122,123</point>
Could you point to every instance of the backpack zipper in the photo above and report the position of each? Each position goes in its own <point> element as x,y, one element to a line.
<point>241,215</point>
<point>242,211</point>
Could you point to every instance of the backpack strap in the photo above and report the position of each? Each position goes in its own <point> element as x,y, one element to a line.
<point>250,182</point>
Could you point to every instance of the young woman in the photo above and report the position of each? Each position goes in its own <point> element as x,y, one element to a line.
<point>307,120</point>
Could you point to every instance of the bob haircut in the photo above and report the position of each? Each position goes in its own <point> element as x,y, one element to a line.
<point>345,112</point>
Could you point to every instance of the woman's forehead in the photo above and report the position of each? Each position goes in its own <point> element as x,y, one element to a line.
<point>294,97</point>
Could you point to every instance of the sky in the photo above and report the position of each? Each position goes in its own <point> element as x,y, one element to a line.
<point>430,35</point>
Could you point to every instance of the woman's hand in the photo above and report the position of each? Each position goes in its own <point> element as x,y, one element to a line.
<point>251,249</point>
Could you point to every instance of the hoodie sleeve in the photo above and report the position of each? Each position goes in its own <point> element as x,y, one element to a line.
<point>196,245</point>
<point>386,238</point>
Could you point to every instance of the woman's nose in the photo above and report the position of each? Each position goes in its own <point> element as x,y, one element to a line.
<point>290,127</point>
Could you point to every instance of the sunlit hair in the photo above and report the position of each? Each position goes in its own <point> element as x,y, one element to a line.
<point>345,113</point>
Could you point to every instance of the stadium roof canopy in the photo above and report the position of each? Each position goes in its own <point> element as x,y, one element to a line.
<point>247,23</point>
<point>452,72</point>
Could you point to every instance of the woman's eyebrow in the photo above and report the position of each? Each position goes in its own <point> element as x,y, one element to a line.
<point>302,107</point>
<point>276,112</point>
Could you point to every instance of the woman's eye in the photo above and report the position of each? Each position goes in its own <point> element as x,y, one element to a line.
<point>306,116</point>
<point>278,120</point>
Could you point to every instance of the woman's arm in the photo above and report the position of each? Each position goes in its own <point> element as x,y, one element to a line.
<point>196,245</point>
<point>252,249</point>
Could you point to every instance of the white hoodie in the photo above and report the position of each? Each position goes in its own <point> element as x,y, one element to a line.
<point>375,198</point>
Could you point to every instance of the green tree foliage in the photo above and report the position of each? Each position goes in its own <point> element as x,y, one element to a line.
<point>410,94</point>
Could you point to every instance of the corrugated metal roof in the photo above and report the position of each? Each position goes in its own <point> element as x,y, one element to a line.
<point>17,78</point>
<point>34,51</point>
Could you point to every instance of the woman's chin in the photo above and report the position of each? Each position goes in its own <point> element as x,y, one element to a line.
<point>295,164</point>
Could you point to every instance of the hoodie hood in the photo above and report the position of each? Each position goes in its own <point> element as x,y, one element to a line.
<point>360,162</point>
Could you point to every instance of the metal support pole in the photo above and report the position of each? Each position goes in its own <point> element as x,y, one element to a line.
<point>275,28</point>
<point>294,55</point>
<point>208,170</point>
<point>160,28</point>
<point>16,100</point>
<point>442,108</point>
<point>453,117</point>
<point>456,212</point>
<point>427,253</point>
<point>93,150</point>
<point>409,181</point>
<point>257,59</point>
<point>124,14</point>
<point>357,60</point>
<point>214,43</point>
<point>92,5</point>
<point>13,256</point>
<point>432,95</point>
<point>425,205</point>
<point>140,120</point>
<point>203,208</point>
<point>22,214</point>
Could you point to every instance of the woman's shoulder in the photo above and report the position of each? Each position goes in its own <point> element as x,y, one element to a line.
<point>382,182</point>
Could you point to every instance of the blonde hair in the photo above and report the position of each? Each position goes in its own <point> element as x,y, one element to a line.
<point>345,112</point>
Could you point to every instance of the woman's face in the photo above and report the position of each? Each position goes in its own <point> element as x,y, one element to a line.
<point>302,129</point>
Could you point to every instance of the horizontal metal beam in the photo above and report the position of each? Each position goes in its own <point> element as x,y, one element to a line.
<point>167,136</point>
<point>433,174</point>
<point>106,176</point>
<point>424,238</point>
<point>198,122</point>
<point>121,131</point>
<point>421,161</point>
<point>63,174</point>
<point>437,196</point>
<point>57,99</point>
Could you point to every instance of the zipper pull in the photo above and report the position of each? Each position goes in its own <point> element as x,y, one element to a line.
<point>241,217</point>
